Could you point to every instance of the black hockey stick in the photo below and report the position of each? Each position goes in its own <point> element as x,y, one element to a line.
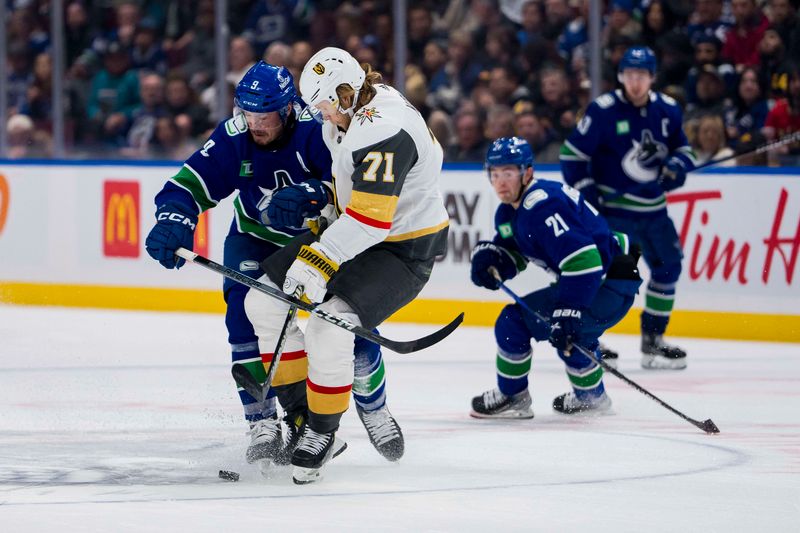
<point>707,425</point>
<point>396,346</point>
<point>766,147</point>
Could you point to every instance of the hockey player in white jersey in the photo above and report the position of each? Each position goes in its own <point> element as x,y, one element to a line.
<point>389,224</point>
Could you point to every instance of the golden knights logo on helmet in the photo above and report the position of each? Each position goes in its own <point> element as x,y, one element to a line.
<point>319,68</point>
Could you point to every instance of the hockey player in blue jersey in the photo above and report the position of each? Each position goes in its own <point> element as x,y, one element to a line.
<point>271,153</point>
<point>551,225</point>
<point>626,152</point>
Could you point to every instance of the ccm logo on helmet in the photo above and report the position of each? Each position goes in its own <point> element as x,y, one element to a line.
<point>319,68</point>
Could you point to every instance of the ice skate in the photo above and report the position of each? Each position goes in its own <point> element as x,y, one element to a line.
<point>570,404</point>
<point>315,449</point>
<point>657,354</point>
<point>495,404</point>
<point>294,424</point>
<point>266,442</point>
<point>609,356</point>
<point>384,432</point>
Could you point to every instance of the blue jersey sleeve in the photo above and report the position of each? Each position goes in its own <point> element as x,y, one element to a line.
<point>569,248</point>
<point>208,176</point>
<point>576,152</point>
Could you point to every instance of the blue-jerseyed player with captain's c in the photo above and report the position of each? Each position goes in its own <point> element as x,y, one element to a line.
<point>626,152</point>
<point>271,153</point>
<point>551,225</point>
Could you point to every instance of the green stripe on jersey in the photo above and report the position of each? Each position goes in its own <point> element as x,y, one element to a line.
<point>190,180</point>
<point>366,385</point>
<point>623,240</point>
<point>246,224</point>
<point>582,261</point>
<point>586,380</point>
<point>569,152</point>
<point>509,368</point>
<point>629,202</point>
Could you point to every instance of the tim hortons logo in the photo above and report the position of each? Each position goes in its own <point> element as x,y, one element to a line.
<point>121,219</point>
<point>319,68</point>
<point>4,201</point>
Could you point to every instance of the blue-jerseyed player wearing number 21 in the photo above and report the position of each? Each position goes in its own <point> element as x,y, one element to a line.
<point>551,225</point>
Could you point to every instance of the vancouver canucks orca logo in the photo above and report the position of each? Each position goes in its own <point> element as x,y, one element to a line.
<point>642,161</point>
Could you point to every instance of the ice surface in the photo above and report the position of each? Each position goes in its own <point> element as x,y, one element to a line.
<point>120,421</point>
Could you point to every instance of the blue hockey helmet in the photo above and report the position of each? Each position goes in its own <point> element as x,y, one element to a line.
<point>265,88</point>
<point>641,57</point>
<point>509,151</point>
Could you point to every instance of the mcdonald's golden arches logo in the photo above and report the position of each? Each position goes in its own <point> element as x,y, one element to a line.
<point>4,201</point>
<point>121,233</point>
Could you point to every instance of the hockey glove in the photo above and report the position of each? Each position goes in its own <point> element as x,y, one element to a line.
<point>312,270</point>
<point>565,328</point>
<point>486,255</point>
<point>174,229</point>
<point>290,206</point>
<point>673,174</point>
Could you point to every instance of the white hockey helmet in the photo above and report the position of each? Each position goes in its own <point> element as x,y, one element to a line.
<point>325,71</point>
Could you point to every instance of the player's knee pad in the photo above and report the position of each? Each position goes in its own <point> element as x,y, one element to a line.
<point>330,348</point>
<point>511,331</point>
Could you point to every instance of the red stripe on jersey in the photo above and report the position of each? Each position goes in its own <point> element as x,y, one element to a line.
<point>287,356</point>
<point>368,221</point>
<point>327,390</point>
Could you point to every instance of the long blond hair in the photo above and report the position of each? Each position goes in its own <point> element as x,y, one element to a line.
<point>367,93</point>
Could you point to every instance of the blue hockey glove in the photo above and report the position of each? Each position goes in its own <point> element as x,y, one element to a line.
<point>565,327</point>
<point>174,229</point>
<point>290,206</point>
<point>673,174</point>
<point>486,255</point>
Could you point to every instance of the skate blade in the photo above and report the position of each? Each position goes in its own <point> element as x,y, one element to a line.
<point>303,476</point>
<point>505,415</point>
<point>656,362</point>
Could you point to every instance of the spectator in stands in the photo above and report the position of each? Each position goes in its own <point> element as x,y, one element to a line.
<point>782,15</point>
<point>506,87</point>
<point>270,21</point>
<point>621,22</point>
<point>501,47</point>
<point>710,90</point>
<point>39,102</point>
<point>575,36</point>
<point>774,66</point>
<point>747,114</point>
<point>114,93</point>
<point>470,145</point>
<point>556,102</point>
<point>441,125</point>
<point>78,34</point>
<point>128,16</point>
<point>557,15</point>
<point>19,77</point>
<point>181,104</point>
<point>543,140</point>
<point>144,117</point>
<point>420,31</point>
<point>279,54</point>
<point>170,141</point>
<point>499,122</point>
<point>147,53</point>
<point>199,47</point>
<point>24,141</point>
<point>741,41</point>
<point>459,76</point>
<point>707,19</point>
<point>240,59</point>
<point>658,19</point>
<point>707,50</point>
<point>784,119</point>
<point>24,27</point>
<point>709,142</point>
<point>532,22</point>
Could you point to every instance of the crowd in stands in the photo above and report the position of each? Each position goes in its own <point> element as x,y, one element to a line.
<point>139,74</point>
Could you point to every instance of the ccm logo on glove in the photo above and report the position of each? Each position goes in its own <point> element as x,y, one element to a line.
<point>176,217</point>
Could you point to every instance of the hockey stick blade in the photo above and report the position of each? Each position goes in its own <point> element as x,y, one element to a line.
<point>707,425</point>
<point>402,347</point>
<point>245,380</point>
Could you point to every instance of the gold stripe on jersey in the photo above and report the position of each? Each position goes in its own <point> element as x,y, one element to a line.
<point>379,207</point>
<point>418,233</point>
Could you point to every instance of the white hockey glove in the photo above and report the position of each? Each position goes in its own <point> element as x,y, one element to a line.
<point>312,270</point>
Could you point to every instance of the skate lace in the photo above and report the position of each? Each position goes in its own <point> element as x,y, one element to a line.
<point>313,442</point>
<point>380,425</point>
<point>264,429</point>
<point>492,398</point>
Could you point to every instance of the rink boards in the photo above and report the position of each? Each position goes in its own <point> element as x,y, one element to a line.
<point>72,234</point>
